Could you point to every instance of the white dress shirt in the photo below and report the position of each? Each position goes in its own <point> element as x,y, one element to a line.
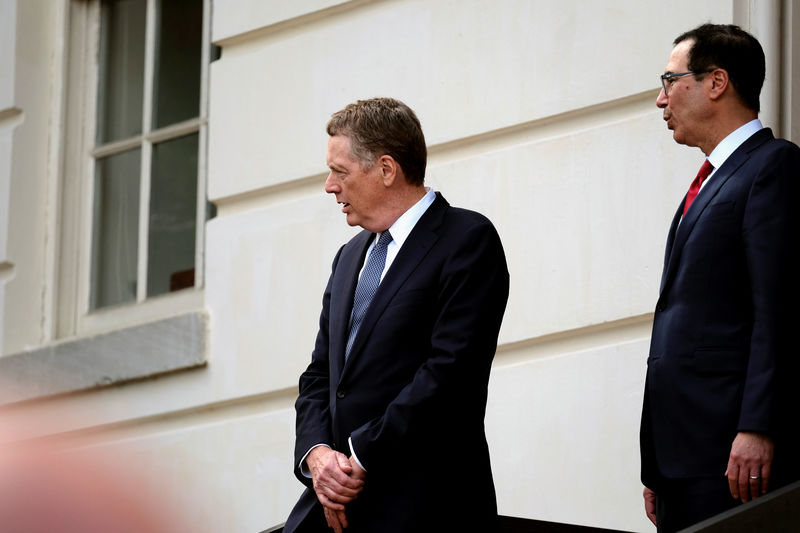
<point>729,144</point>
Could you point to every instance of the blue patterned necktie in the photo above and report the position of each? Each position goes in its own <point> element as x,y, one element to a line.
<point>367,286</point>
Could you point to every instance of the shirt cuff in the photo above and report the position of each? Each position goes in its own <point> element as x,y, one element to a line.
<point>353,453</point>
<point>303,466</point>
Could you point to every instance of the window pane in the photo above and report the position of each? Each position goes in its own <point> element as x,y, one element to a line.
<point>121,69</point>
<point>173,216</point>
<point>176,95</point>
<point>116,229</point>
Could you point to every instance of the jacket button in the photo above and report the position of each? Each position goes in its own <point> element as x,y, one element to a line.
<point>661,306</point>
<point>340,394</point>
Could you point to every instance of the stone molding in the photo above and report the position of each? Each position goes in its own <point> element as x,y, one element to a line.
<point>133,353</point>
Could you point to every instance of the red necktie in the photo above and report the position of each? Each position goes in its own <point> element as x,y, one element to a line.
<point>694,188</point>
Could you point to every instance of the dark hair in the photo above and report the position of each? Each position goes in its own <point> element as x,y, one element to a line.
<point>383,126</point>
<point>731,48</point>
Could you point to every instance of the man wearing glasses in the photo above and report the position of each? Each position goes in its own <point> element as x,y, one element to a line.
<point>719,418</point>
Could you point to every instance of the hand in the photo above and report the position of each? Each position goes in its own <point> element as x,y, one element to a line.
<point>337,520</point>
<point>358,472</point>
<point>749,465</point>
<point>650,505</point>
<point>331,475</point>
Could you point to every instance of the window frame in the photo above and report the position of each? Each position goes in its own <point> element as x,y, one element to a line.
<point>74,314</point>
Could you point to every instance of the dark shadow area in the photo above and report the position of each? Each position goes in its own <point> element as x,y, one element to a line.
<point>510,524</point>
<point>777,512</point>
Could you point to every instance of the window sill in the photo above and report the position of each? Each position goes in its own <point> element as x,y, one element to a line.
<point>133,353</point>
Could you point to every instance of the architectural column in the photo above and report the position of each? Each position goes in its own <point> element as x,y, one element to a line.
<point>9,118</point>
<point>762,18</point>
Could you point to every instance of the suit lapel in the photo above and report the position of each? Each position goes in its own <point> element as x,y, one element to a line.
<point>419,242</point>
<point>670,242</point>
<point>694,214</point>
<point>342,291</point>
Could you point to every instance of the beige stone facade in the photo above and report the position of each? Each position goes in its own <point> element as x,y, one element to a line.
<point>539,114</point>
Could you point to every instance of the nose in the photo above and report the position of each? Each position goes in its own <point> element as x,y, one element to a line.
<point>331,186</point>
<point>661,100</point>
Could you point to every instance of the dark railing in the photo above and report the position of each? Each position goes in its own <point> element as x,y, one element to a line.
<point>511,524</point>
<point>776,512</point>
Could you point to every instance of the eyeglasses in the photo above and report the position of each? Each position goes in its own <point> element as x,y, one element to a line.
<point>668,79</point>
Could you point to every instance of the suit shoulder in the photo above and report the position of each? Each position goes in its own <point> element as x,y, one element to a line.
<point>779,148</point>
<point>778,156</point>
<point>466,218</point>
<point>470,229</point>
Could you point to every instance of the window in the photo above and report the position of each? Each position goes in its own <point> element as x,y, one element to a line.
<point>145,203</point>
<point>139,70</point>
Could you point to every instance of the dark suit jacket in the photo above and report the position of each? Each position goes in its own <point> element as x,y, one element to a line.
<point>722,355</point>
<point>412,394</point>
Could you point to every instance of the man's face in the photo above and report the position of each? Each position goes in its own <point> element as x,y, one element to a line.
<point>684,104</point>
<point>361,192</point>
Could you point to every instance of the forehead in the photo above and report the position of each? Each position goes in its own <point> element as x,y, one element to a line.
<point>339,149</point>
<point>679,58</point>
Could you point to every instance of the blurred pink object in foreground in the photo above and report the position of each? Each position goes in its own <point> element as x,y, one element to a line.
<point>44,489</point>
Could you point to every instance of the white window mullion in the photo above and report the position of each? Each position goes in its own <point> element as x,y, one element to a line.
<point>147,151</point>
<point>86,172</point>
<point>144,218</point>
<point>202,150</point>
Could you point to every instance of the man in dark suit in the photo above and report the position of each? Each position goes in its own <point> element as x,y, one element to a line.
<point>719,424</point>
<point>390,434</point>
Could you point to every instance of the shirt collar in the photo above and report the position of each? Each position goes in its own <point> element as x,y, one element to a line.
<point>733,141</point>
<point>402,227</point>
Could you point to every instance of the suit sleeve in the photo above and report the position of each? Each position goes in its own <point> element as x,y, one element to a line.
<point>313,424</point>
<point>450,388</point>
<point>770,232</point>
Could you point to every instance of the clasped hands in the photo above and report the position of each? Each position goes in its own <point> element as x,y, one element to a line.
<point>338,480</point>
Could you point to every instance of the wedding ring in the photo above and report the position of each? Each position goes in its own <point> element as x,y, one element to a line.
<point>753,477</point>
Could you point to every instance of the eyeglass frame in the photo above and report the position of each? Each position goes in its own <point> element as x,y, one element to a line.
<point>673,75</point>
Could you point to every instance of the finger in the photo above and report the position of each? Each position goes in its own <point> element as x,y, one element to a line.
<point>650,505</point>
<point>339,493</point>
<point>358,470</point>
<point>327,503</point>
<point>338,484</point>
<point>324,489</point>
<point>651,514</point>
<point>766,470</point>
<point>333,521</point>
<point>342,519</point>
<point>744,485</point>
<point>344,463</point>
<point>340,478</point>
<point>733,479</point>
<point>755,485</point>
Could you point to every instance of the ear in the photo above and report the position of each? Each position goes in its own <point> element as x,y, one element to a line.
<point>389,170</point>
<point>718,83</point>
